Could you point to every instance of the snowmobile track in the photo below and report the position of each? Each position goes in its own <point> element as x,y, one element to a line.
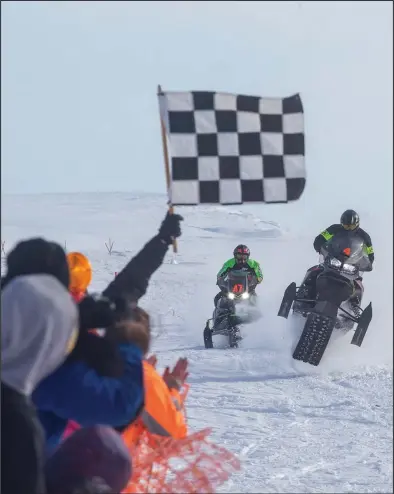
<point>314,339</point>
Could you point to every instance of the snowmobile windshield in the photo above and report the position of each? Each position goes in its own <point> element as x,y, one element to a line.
<point>237,282</point>
<point>347,248</point>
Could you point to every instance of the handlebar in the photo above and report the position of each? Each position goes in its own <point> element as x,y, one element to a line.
<point>327,262</point>
<point>252,281</point>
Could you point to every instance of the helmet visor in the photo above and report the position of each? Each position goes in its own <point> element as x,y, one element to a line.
<point>350,227</point>
<point>241,257</point>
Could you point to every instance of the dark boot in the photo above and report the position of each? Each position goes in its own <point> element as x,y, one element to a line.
<point>307,291</point>
<point>355,300</point>
<point>253,297</point>
<point>355,306</point>
<point>217,298</point>
<point>311,283</point>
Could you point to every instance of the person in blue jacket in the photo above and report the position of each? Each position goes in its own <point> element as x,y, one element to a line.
<point>77,391</point>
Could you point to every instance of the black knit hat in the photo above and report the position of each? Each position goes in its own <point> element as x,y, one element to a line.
<point>37,256</point>
<point>92,452</point>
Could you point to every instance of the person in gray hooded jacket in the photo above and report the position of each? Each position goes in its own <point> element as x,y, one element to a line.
<point>39,328</point>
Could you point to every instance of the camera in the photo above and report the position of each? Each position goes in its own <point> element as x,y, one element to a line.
<point>97,311</point>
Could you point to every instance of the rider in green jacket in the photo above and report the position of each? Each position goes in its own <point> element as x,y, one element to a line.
<point>240,261</point>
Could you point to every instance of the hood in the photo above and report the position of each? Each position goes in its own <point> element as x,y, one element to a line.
<point>39,328</point>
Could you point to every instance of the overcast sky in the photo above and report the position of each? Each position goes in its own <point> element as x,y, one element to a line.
<point>78,86</point>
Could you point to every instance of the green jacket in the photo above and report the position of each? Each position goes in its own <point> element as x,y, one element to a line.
<point>253,265</point>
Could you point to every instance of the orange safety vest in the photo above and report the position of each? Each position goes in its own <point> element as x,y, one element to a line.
<point>162,413</point>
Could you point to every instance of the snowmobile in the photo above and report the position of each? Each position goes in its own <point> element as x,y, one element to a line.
<point>335,300</point>
<point>230,312</point>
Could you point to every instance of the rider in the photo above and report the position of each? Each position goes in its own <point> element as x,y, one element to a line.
<point>240,261</point>
<point>350,222</point>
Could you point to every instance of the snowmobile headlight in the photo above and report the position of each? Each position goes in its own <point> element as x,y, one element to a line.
<point>231,296</point>
<point>245,295</point>
<point>349,268</point>
<point>335,262</point>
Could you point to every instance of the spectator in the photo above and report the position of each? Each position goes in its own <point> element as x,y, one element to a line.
<point>163,410</point>
<point>77,392</point>
<point>39,324</point>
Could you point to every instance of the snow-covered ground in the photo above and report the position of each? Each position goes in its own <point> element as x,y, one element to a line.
<point>297,428</point>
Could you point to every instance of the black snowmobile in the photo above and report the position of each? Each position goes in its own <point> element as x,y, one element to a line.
<point>236,287</point>
<point>333,301</point>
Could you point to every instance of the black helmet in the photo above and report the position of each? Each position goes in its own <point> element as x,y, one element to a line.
<point>350,220</point>
<point>241,253</point>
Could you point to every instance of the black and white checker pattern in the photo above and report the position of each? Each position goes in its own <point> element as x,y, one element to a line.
<point>230,149</point>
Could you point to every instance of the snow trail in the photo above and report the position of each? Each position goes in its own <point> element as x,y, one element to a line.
<point>296,428</point>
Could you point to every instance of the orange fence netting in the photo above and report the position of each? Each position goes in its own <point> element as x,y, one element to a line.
<point>167,465</point>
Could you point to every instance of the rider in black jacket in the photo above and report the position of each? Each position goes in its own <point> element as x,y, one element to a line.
<point>350,221</point>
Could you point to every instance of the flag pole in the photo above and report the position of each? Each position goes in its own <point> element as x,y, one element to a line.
<point>166,166</point>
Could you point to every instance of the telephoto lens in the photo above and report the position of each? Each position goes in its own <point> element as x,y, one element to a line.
<point>124,309</point>
<point>96,311</point>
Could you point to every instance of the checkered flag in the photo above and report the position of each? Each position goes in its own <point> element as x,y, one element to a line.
<point>233,149</point>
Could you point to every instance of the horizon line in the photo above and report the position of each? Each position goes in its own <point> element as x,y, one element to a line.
<point>135,192</point>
